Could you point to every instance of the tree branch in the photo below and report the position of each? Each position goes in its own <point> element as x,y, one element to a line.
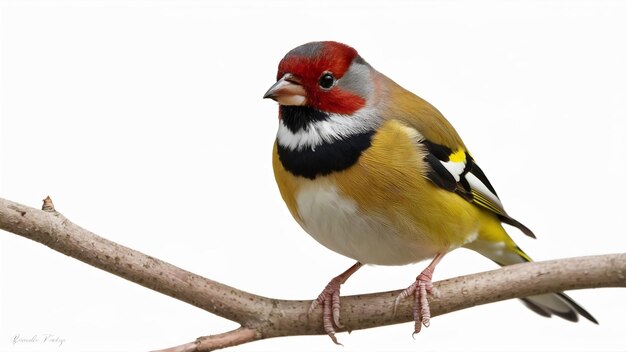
<point>262,317</point>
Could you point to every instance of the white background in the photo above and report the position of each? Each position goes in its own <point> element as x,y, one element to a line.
<point>145,124</point>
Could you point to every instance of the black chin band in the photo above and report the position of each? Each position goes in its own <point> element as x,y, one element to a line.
<point>297,118</point>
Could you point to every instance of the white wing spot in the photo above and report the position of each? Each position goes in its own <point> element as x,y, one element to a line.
<point>454,168</point>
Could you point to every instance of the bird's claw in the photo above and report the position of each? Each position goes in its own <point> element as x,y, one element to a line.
<point>331,304</point>
<point>419,290</point>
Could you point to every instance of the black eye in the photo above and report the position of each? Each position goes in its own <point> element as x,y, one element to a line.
<point>327,80</point>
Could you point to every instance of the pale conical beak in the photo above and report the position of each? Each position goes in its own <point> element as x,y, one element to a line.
<point>287,91</point>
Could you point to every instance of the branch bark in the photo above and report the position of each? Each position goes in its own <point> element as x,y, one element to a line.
<point>262,317</point>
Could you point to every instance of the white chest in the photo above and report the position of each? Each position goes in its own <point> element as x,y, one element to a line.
<point>336,222</point>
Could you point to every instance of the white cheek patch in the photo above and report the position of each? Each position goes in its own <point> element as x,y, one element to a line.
<point>336,127</point>
<point>298,140</point>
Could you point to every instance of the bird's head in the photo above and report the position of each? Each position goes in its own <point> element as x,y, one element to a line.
<point>327,76</point>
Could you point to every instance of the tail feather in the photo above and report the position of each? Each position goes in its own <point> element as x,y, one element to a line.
<point>536,308</point>
<point>558,303</point>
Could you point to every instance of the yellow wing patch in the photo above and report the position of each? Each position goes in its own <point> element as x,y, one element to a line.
<point>458,156</point>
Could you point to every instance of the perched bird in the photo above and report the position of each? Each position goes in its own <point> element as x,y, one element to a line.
<point>377,174</point>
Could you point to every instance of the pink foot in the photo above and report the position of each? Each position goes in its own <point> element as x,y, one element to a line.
<point>330,302</point>
<point>421,309</point>
<point>420,289</point>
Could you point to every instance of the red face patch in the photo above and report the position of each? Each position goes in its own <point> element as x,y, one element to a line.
<point>309,62</point>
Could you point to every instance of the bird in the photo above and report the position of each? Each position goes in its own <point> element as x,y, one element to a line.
<point>377,174</point>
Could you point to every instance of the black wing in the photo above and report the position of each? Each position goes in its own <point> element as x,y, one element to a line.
<point>457,172</point>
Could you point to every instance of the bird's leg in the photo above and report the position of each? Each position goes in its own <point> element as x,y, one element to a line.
<point>420,289</point>
<point>329,300</point>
